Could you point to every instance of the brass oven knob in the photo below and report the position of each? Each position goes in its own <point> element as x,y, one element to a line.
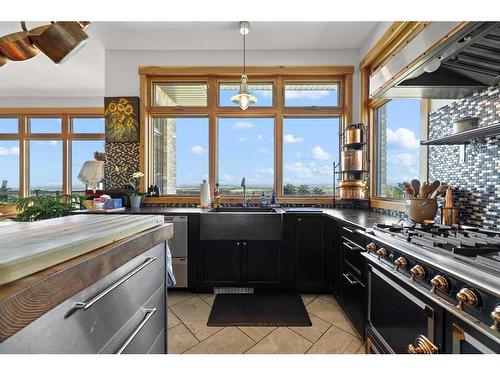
<point>382,253</point>
<point>466,297</point>
<point>417,271</point>
<point>422,346</point>
<point>495,315</point>
<point>371,247</point>
<point>401,262</point>
<point>439,282</point>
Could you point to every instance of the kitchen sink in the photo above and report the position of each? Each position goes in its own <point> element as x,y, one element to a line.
<point>242,223</point>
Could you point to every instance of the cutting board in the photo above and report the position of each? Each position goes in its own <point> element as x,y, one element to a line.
<point>26,248</point>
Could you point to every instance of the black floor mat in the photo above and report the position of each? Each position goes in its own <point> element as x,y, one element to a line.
<point>258,310</point>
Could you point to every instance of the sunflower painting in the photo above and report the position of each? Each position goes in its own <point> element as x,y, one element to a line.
<point>122,114</point>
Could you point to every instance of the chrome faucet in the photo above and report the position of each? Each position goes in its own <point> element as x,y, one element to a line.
<point>243,183</point>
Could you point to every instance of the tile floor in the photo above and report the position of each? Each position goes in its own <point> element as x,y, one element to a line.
<point>331,331</point>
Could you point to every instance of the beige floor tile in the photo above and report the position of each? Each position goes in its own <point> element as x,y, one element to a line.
<point>308,298</point>
<point>332,313</point>
<point>208,298</point>
<point>314,332</point>
<point>180,339</point>
<point>328,298</point>
<point>336,341</point>
<point>281,341</point>
<point>228,341</point>
<point>257,333</point>
<point>174,298</point>
<point>172,320</point>
<point>362,349</point>
<point>194,314</point>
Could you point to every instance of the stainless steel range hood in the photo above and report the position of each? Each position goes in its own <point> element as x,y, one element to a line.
<point>467,62</point>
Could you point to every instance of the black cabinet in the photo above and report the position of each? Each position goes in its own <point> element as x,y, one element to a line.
<point>242,263</point>
<point>335,258</point>
<point>306,236</point>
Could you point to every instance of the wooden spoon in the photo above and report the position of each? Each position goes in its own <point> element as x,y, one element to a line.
<point>439,191</point>
<point>424,189</point>
<point>408,189</point>
<point>416,187</point>
<point>433,187</point>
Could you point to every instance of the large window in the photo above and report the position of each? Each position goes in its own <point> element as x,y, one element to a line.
<point>246,149</point>
<point>42,151</point>
<point>398,124</point>
<point>181,154</point>
<point>310,147</point>
<point>286,142</point>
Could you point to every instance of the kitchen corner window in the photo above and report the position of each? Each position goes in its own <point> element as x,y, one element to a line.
<point>398,124</point>
<point>180,147</point>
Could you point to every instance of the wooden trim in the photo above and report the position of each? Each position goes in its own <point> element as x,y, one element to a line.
<point>149,76</point>
<point>159,71</point>
<point>388,204</point>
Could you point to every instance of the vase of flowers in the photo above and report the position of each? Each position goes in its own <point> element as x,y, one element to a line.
<point>135,195</point>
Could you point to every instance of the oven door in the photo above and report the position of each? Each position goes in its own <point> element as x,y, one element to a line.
<point>399,317</point>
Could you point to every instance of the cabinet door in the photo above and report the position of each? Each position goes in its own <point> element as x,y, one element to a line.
<point>335,259</point>
<point>221,263</point>
<point>262,263</point>
<point>311,262</point>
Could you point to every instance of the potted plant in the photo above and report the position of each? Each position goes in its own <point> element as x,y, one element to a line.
<point>135,195</point>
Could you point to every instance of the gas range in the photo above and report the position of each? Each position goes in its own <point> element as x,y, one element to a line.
<point>457,267</point>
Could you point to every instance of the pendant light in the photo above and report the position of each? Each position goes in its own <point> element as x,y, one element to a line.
<point>244,98</point>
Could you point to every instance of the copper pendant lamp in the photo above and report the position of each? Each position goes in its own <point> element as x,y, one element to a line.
<point>17,46</point>
<point>60,40</point>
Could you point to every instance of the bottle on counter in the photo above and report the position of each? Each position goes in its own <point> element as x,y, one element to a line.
<point>217,195</point>
<point>156,191</point>
<point>273,199</point>
<point>263,200</point>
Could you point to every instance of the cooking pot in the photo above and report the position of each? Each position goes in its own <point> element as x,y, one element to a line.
<point>352,160</point>
<point>464,124</point>
<point>18,46</point>
<point>59,40</point>
<point>352,189</point>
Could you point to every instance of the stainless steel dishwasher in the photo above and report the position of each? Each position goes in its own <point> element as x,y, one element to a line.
<point>179,248</point>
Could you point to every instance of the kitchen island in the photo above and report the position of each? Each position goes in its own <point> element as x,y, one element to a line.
<point>111,298</point>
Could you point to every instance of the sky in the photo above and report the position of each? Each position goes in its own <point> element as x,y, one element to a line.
<point>403,140</point>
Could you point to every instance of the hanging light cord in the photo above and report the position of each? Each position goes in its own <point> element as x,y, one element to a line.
<point>244,55</point>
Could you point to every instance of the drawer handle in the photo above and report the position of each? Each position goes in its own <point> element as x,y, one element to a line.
<point>149,314</point>
<point>347,229</point>
<point>350,278</point>
<point>86,305</point>
<point>346,244</point>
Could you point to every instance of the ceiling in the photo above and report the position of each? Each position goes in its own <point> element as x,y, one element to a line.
<point>83,74</point>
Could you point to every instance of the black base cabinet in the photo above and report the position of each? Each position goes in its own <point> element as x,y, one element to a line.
<point>258,264</point>
<point>306,235</point>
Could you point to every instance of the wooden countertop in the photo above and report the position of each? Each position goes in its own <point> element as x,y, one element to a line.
<point>24,300</point>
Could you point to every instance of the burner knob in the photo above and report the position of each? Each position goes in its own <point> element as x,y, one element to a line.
<point>401,262</point>
<point>417,271</point>
<point>422,346</point>
<point>466,297</point>
<point>382,253</point>
<point>439,282</point>
<point>495,315</point>
<point>371,247</point>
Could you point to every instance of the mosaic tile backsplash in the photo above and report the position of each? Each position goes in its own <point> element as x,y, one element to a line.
<point>122,159</point>
<point>476,182</point>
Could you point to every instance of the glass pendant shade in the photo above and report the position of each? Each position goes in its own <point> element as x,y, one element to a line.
<point>244,98</point>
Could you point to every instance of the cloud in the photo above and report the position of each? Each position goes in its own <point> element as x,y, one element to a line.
<point>9,150</point>
<point>403,137</point>
<point>319,154</point>
<point>264,151</point>
<point>290,138</point>
<point>259,137</point>
<point>309,94</point>
<point>299,169</point>
<point>197,149</point>
<point>242,125</point>
<point>405,159</point>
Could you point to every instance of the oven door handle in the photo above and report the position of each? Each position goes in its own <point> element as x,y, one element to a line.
<point>351,279</point>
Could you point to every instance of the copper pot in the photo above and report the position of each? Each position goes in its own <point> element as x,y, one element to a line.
<point>352,160</point>
<point>352,189</point>
<point>18,46</point>
<point>59,40</point>
<point>353,135</point>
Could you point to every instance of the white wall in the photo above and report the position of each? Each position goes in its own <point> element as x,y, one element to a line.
<point>121,66</point>
<point>51,101</point>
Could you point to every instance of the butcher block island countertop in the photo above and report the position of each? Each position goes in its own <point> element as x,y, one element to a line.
<point>44,263</point>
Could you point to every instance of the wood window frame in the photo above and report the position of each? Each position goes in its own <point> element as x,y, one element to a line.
<point>66,136</point>
<point>278,75</point>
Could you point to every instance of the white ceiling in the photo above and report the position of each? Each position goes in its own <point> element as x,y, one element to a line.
<point>83,74</point>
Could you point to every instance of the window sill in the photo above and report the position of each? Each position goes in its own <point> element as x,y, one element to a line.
<point>388,204</point>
